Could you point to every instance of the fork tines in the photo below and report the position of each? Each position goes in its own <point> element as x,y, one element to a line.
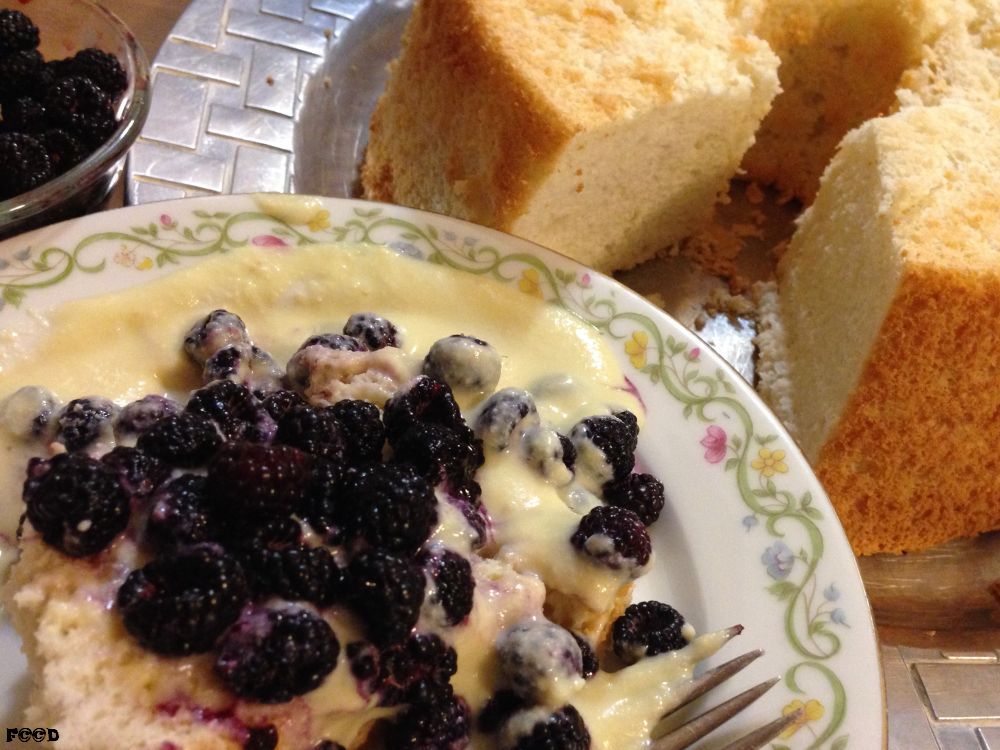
<point>698,727</point>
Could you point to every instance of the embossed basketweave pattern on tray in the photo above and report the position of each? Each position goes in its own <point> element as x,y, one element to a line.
<point>227,84</point>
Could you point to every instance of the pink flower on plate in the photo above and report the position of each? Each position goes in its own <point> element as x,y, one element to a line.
<point>166,221</point>
<point>715,444</point>
<point>268,240</point>
<point>692,356</point>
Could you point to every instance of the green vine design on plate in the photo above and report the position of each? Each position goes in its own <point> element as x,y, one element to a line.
<point>707,396</point>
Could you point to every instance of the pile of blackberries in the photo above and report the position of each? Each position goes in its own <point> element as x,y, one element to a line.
<point>54,113</point>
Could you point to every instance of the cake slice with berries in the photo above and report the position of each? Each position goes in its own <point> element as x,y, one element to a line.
<point>328,554</point>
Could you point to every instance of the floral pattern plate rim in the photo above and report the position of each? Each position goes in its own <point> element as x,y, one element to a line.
<point>748,536</point>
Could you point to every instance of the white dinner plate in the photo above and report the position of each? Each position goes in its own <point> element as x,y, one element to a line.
<point>748,535</point>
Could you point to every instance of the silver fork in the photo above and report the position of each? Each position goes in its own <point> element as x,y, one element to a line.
<point>695,729</point>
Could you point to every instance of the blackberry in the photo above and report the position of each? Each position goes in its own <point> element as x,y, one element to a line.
<point>314,430</point>
<point>138,473</point>
<point>64,149</point>
<point>422,400</point>
<point>414,670</point>
<point>453,585</point>
<point>258,480</point>
<point>535,656</point>
<point>362,429</point>
<point>100,67</point>
<point>17,32</point>
<point>440,454</point>
<point>180,514</point>
<point>647,629</point>
<point>614,537</point>
<point>388,506</point>
<point>293,572</point>
<point>467,364</point>
<point>569,451</point>
<point>273,655</point>
<point>545,449</point>
<point>21,74</point>
<point>261,738</point>
<point>374,331</point>
<point>24,164</point>
<point>385,592</point>
<point>278,402</point>
<point>631,423</point>
<point>336,341</point>
<point>237,412</point>
<point>640,493</point>
<point>23,114</point>
<point>184,439</point>
<point>85,421</point>
<point>75,502</point>
<point>248,532</point>
<point>138,416</point>
<point>563,729</point>
<point>442,723</point>
<point>503,413</point>
<point>589,661</point>
<point>319,500</point>
<point>78,105</point>
<point>28,412</point>
<point>217,329</point>
<point>605,446</point>
<point>498,709</point>
<point>181,603</point>
<point>246,364</point>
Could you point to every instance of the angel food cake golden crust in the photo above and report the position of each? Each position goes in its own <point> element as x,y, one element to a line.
<point>882,358</point>
<point>252,570</point>
<point>604,130</point>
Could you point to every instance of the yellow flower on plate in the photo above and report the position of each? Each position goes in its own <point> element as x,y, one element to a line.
<point>145,264</point>
<point>320,220</point>
<point>530,282</point>
<point>636,347</point>
<point>770,462</point>
<point>812,710</point>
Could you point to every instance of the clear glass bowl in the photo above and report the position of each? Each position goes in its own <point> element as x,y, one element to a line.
<point>66,27</point>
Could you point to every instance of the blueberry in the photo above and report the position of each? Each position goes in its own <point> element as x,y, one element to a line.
<point>467,364</point>
<point>373,330</point>
<point>27,412</point>
<point>218,329</point>
<point>539,660</point>
<point>138,416</point>
<point>503,413</point>
<point>85,421</point>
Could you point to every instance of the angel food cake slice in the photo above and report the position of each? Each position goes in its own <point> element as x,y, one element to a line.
<point>604,130</point>
<point>882,351</point>
<point>221,552</point>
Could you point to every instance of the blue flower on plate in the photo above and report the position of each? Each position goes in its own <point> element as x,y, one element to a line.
<point>778,559</point>
<point>449,235</point>
<point>839,616</point>
<point>407,248</point>
<point>750,521</point>
<point>831,593</point>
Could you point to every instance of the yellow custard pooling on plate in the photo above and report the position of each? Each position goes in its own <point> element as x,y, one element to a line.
<point>89,671</point>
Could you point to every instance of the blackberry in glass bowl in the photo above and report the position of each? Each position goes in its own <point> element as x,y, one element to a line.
<point>74,98</point>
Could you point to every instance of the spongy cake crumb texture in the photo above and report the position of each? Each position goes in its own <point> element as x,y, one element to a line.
<point>889,296</point>
<point>604,130</point>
